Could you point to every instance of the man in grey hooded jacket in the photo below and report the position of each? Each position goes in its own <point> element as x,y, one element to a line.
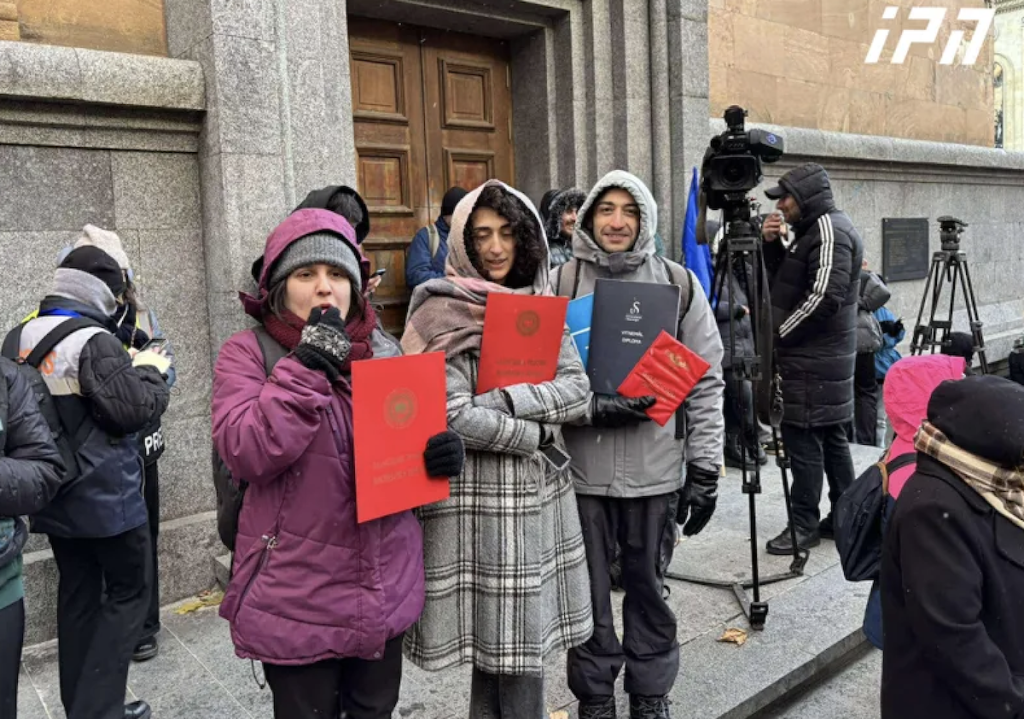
<point>629,471</point>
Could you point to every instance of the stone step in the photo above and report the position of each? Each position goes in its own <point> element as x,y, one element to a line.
<point>222,569</point>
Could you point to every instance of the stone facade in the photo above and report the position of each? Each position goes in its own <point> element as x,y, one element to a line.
<point>801,63</point>
<point>112,139</point>
<point>1009,60</point>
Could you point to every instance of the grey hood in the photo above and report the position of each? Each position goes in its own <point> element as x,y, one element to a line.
<point>585,247</point>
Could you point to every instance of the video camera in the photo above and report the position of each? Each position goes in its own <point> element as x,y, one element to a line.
<point>950,229</point>
<point>732,163</point>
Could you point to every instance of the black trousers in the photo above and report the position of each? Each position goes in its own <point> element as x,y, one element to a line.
<point>649,649</point>
<point>12,636</point>
<point>151,492</point>
<point>364,689</point>
<point>102,596</point>
<point>814,451</point>
<point>865,401</point>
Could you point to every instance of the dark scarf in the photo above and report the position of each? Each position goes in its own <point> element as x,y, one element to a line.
<point>287,329</point>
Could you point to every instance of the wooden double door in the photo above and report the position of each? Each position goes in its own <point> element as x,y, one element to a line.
<point>431,110</point>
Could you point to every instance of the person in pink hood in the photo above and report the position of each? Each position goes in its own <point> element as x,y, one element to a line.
<point>908,386</point>
<point>321,600</point>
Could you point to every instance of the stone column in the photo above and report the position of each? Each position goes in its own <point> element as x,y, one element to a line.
<point>278,124</point>
<point>688,101</point>
<point>9,29</point>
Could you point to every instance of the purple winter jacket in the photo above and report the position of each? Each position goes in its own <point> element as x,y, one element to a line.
<point>309,583</point>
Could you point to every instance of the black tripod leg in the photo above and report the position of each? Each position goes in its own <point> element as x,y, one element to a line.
<point>973,316</point>
<point>799,555</point>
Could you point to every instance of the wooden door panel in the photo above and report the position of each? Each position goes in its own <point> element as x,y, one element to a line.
<point>387,113</point>
<point>430,110</point>
<point>468,101</point>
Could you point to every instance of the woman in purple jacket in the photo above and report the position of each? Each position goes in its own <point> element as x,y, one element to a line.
<point>322,601</point>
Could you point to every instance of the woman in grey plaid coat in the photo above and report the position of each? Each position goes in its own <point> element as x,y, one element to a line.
<point>506,575</point>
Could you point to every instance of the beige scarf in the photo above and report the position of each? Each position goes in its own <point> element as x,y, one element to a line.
<point>1001,487</point>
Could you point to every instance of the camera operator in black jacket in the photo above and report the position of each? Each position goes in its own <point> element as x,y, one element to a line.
<point>815,285</point>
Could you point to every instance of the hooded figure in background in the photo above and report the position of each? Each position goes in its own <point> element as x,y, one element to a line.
<point>815,287</point>
<point>561,222</point>
<point>505,563</point>
<point>907,393</point>
<point>136,327</point>
<point>629,471</point>
<point>952,572</point>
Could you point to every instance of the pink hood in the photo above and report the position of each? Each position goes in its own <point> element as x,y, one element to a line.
<point>908,387</point>
<point>297,225</point>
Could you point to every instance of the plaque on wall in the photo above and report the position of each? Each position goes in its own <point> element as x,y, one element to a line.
<point>905,253</point>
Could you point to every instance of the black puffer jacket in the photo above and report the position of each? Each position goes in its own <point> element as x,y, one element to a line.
<point>30,465</point>
<point>104,401</point>
<point>815,285</point>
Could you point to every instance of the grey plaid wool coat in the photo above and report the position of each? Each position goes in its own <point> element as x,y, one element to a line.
<point>506,573</point>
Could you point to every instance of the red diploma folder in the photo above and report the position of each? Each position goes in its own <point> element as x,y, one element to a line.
<point>668,370</point>
<point>522,340</point>
<point>397,405</point>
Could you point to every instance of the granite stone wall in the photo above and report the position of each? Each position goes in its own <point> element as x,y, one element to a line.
<point>112,140</point>
<point>879,177</point>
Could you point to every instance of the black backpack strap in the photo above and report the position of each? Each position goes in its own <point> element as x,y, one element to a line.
<point>576,278</point>
<point>273,351</point>
<point>12,343</point>
<point>54,337</point>
<point>897,463</point>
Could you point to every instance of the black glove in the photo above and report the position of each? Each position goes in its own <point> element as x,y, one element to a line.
<point>740,312</point>
<point>444,455</point>
<point>324,344</point>
<point>614,411</point>
<point>697,500</point>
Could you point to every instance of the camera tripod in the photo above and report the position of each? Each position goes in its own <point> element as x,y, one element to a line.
<point>949,266</point>
<point>741,249</point>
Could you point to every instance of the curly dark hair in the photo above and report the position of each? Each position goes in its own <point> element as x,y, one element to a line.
<point>530,252</point>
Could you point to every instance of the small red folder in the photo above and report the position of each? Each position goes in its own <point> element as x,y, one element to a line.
<point>668,370</point>
<point>397,405</point>
<point>522,340</point>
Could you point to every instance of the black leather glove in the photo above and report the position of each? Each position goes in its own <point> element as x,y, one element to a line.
<point>740,312</point>
<point>445,454</point>
<point>324,345</point>
<point>613,411</point>
<point>697,500</point>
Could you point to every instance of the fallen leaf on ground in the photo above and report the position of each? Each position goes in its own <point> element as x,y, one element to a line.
<point>560,714</point>
<point>734,636</point>
<point>203,599</point>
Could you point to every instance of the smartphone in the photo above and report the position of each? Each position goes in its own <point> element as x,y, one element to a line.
<point>379,273</point>
<point>154,344</point>
<point>556,457</point>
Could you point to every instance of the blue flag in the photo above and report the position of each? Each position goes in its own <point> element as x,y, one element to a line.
<point>697,256</point>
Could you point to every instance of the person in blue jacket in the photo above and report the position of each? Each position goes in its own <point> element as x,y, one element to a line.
<point>885,357</point>
<point>429,249</point>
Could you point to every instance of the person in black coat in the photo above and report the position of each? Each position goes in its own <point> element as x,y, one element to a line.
<point>31,470</point>
<point>815,285</point>
<point>952,572</point>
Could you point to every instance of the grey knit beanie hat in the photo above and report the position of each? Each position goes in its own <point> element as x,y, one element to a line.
<point>325,247</point>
